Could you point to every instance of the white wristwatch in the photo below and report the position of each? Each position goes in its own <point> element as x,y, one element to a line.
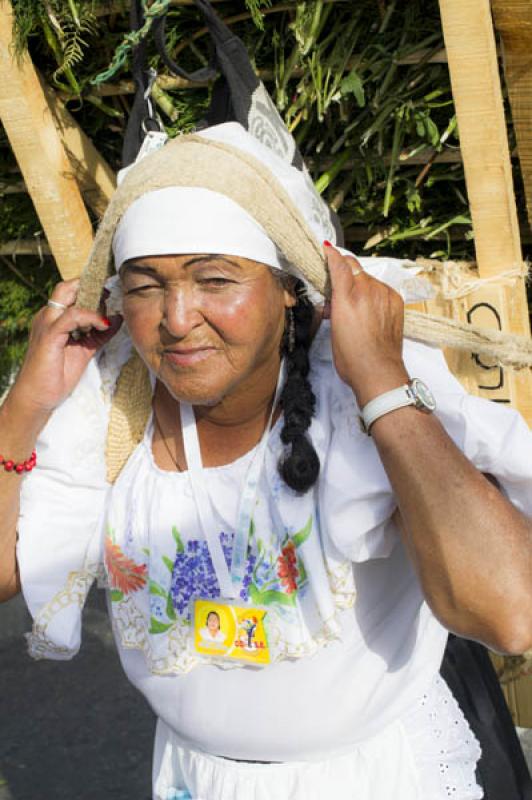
<point>414,393</point>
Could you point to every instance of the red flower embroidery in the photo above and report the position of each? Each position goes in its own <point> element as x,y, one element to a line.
<point>124,574</point>
<point>287,568</point>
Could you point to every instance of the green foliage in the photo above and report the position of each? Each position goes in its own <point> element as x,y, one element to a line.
<point>22,293</point>
<point>374,118</point>
<point>68,28</point>
<point>255,8</point>
<point>17,217</point>
<point>25,282</point>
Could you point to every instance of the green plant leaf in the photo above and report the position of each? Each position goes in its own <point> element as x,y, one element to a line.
<point>352,84</point>
<point>432,131</point>
<point>116,596</point>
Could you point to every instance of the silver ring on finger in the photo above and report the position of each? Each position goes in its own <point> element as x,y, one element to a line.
<point>356,271</point>
<point>55,304</point>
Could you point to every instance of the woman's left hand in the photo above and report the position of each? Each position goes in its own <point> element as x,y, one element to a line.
<point>367,319</point>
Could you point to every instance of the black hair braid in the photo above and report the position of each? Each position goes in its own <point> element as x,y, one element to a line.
<point>300,467</point>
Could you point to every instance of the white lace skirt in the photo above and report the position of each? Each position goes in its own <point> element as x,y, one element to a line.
<point>430,754</point>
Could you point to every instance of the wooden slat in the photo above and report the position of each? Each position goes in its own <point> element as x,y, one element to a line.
<point>474,71</point>
<point>513,19</point>
<point>472,57</point>
<point>473,65</point>
<point>37,146</point>
<point>96,179</point>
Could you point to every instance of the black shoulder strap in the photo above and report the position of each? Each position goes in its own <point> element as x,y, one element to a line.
<point>134,135</point>
<point>238,94</point>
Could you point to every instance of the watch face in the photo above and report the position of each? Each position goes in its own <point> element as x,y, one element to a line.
<point>424,397</point>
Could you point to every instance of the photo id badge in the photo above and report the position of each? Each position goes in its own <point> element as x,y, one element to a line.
<point>224,629</point>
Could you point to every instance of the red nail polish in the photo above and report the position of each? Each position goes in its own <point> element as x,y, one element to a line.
<point>106,322</point>
<point>327,243</point>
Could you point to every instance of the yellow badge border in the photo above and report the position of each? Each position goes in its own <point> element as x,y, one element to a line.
<point>236,621</point>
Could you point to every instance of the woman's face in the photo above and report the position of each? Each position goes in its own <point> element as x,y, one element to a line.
<point>213,623</point>
<point>207,325</point>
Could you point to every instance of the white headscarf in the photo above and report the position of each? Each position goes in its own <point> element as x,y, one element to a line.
<point>191,220</point>
<point>179,220</point>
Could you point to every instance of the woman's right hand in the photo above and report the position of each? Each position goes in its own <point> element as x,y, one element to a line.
<point>54,361</point>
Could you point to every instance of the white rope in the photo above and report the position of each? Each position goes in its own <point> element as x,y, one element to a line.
<point>454,276</point>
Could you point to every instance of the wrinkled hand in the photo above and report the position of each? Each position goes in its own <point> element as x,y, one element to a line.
<point>367,318</point>
<point>54,361</point>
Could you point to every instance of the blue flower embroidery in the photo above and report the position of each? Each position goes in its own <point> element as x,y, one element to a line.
<point>193,573</point>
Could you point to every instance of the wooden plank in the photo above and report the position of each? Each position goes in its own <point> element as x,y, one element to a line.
<point>472,57</point>
<point>95,177</point>
<point>513,19</point>
<point>42,159</point>
<point>518,692</point>
<point>474,70</point>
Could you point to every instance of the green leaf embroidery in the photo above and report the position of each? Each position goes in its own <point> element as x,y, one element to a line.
<point>116,596</point>
<point>146,551</point>
<point>159,627</point>
<point>271,596</point>
<point>169,563</point>
<point>156,588</point>
<point>261,552</point>
<point>178,540</point>
<point>170,612</point>
<point>302,535</point>
<point>302,573</point>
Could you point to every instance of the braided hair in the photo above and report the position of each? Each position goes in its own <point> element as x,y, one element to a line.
<point>300,467</point>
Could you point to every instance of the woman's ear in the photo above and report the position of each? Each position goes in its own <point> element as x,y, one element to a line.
<point>289,291</point>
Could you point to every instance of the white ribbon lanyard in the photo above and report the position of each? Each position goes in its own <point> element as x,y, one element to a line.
<point>230,582</point>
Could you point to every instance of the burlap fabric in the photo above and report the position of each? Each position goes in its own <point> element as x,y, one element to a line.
<point>196,161</point>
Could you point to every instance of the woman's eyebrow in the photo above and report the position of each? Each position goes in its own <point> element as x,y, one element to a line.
<point>145,270</point>
<point>212,257</point>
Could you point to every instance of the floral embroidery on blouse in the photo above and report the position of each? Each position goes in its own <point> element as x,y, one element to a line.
<point>271,578</point>
<point>124,575</point>
<point>193,572</point>
<point>277,579</point>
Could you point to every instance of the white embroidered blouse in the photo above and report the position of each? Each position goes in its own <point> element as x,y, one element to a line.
<point>354,643</point>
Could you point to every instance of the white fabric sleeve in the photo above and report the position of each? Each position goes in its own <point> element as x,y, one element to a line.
<point>494,436</point>
<point>59,528</point>
<point>356,498</point>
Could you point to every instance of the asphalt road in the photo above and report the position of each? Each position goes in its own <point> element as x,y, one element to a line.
<point>73,729</point>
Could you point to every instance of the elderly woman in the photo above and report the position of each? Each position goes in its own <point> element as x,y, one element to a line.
<point>335,561</point>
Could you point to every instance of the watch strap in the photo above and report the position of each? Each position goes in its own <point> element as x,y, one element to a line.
<point>384,403</point>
